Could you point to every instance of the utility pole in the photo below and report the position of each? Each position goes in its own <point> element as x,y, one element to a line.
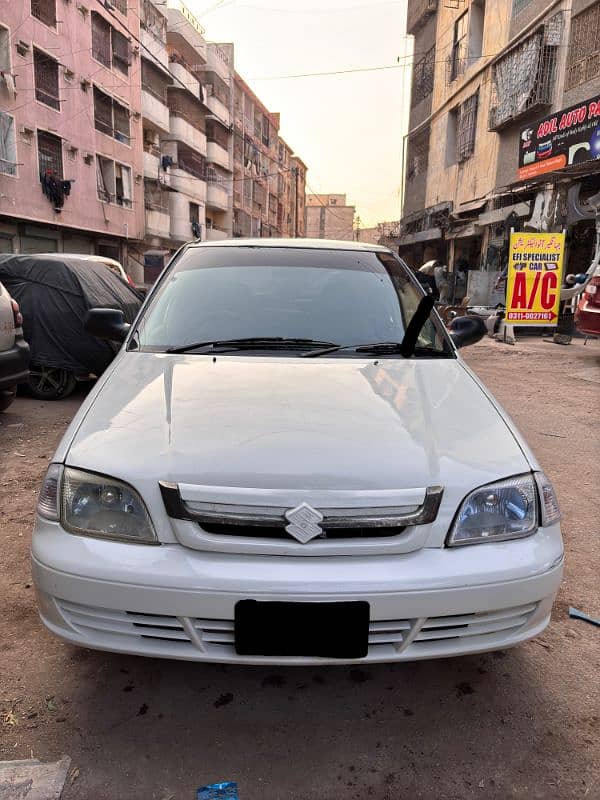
<point>296,202</point>
<point>358,224</point>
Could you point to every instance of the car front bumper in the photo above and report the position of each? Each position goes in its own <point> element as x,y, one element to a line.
<point>14,364</point>
<point>173,602</point>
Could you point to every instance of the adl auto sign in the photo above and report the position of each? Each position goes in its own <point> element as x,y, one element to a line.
<point>567,137</point>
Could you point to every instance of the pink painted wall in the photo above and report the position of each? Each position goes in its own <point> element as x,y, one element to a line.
<point>71,45</point>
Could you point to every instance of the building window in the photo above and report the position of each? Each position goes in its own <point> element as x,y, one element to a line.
<point>583,60</point>
<point>418,155</point>
<point>192,162</point>
<point>4,50</point>
<point>109,46</point>
<point>476,23</point>
<point>194,213</point>
<point>154,81</point>
<point>422,77</point>
<point>518,6</point>
<point>459,46</point>
<point>50,155</point>
<point>45,11</point>
<point>113,182</point>
<point>523,80</point>
<point>153,21</point>
<point>466,127</point>
<point>110,117</point>
<point>8,146</point>
<point>46,79</point>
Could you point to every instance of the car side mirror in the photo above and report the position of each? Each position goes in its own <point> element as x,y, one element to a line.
<point>467,330</point>
<point>107,323</point>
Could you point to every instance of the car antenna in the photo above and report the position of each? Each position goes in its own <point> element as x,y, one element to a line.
<point>415,326</point>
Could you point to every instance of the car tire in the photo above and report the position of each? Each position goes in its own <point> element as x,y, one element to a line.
<point>7,396</point>
<point>50,383</point>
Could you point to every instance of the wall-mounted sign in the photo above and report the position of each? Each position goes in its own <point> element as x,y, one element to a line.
<point>535,267</point>
<point>567,137</point>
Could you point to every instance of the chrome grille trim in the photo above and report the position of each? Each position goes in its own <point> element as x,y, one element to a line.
<point>271,516</point>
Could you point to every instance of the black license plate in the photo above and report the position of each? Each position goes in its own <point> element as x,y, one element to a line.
<point>325,630</point>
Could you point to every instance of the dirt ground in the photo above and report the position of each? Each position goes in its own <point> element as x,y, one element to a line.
<point>524,723</point>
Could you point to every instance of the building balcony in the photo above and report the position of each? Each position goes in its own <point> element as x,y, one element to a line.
<point>217,197</point>
<point>218,155</point>
<point>216,234</point>
<point>187,184</point>
<point>153,168</point>
<point>154,46</point>
<point>418,13</point>
<point>182,76</point>
<point>157,223</point>
<point>218,109</point>
<point>155,111</point>
<point>179,209</point>
<point>186,26</point>
<point>188,134</point>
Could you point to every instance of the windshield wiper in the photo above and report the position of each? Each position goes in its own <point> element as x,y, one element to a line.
<point>250,342</point>
<point>407,347</point>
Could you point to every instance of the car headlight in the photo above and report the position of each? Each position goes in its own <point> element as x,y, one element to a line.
<point>503,510</point>
<point>95,505</point>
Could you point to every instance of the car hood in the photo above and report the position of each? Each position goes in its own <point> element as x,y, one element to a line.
<point>289,423</point>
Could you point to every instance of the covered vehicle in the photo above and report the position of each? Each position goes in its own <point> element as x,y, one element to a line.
<point>55,295</point>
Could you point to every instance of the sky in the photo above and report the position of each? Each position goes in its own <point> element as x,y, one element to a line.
<point>348,129</point>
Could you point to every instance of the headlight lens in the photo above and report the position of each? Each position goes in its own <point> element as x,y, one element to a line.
<point>95,505</point>
<point>496,512</point>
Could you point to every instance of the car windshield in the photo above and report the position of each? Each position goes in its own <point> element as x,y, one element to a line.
<point>311,296</point>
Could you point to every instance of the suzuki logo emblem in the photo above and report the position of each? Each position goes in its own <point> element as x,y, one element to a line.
<point>304,521</point>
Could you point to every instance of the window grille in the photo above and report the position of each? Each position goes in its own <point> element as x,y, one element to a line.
<point>154,197</point>
<point>523,80</point>
<point>153,21</point>
<point>153,81</point>
<point>121,123</point>
<point>422,77</point>
<point>103,120</point>
<point>466,127</point>
<point>216,133</point>
<point>181,105</point>
<point>583,60</point>
<point>46,79</point>
<point>220,89</point>
<point>50,154</point>
<point>192,162</point>
<point>101,39</point>
<point>120,52</point>
<point>45,11</point>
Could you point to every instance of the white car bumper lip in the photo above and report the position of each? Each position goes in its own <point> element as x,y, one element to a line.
<point>176,603</point>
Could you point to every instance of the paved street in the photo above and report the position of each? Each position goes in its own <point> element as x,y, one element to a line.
<point>518,724</point>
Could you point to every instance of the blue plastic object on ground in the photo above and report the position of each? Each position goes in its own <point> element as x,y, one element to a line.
<point>218,791</point>
<point>576,614</point>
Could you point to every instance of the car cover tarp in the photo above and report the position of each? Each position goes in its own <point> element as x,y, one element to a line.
<point>54,296</point>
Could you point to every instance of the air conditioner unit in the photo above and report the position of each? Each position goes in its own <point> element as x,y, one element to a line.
<point>25,131</point>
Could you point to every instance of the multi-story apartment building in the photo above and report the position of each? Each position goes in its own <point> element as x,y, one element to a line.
<point>269,182</point>
<point>125,147</point>
<point>328,216</point>
<point>489,148</point>
<point>71,155</point>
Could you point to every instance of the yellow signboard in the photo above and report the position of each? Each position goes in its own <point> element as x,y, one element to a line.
<point>535,267</point>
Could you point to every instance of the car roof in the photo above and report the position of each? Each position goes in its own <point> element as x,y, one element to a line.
<point>295,244</point>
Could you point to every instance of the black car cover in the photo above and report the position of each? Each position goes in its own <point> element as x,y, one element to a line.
<point>54,295</point>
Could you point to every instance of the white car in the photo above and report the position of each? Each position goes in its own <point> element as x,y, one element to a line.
<point>288,462</point>
<point>14,350</point>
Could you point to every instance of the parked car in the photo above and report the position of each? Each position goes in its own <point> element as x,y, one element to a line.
<point>289,462</point>
<point>14,350</point>
<point>112,264</point>
<point>587,315</point>
<point>55,295</point>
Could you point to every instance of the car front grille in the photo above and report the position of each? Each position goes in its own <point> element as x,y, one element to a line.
<point>188,636</point>
<point>280,532</point>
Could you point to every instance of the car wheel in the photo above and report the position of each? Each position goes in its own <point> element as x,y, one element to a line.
<point>50,383</point>
<point>7,396</point>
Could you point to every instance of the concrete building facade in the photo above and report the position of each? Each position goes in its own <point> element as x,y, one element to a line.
<point>71,155</point>
<point>485,76</point>
<point>328,216</point>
